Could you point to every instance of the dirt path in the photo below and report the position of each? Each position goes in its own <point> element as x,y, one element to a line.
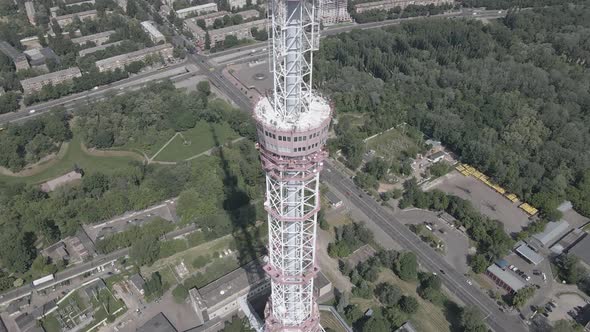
<point>163,147</point>
<point>39,166</point>
<point>208,152</point>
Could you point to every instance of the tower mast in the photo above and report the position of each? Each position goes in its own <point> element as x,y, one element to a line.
<point>292,129</point>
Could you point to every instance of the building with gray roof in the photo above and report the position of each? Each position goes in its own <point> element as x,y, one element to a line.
<point>504,279</point>
<point>91,50</point>
<point>18,58</point>
<point>334,200</point>
<point>97,38</point>
<point>120,61</point>
<point>552,233</point>
<point>2,326</point>
<point>529,254</point>
<point>64,20</point>
<point>138,282</point>
<point>240,31</point>
<point>36,83</point>
<point>581,249</point>
<point>158,323</point>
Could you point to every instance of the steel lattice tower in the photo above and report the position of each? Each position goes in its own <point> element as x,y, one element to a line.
<point>292,128</point>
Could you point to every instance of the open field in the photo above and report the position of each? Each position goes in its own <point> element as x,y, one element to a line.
<point>197,140</point>
<point>484,199</point>
<point>429,318</point>
<point>75,154</point>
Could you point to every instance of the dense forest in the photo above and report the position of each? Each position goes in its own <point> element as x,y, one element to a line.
<point>510,96</point>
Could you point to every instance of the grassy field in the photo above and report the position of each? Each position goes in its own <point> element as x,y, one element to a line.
<point>201,138</point>
<point>429,318</point>
<point>392,144</point>
<point>74,155</point>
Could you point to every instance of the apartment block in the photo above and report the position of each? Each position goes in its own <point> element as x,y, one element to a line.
<point>242,31</point>
<point>197,10</point>
<point>69,18</point>
<point>120,61</point>
<point>155,35</point>
<point>334,11</point>
<point>30,9</point>
<point>18,58</point>
<point>237,4</point>
<point>98,38</point>
<point>91,50</point>
<point>390,4</point>
<point>208,18</point>
<point>34,84</point>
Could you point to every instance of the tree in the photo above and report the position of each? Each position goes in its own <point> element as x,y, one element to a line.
<point>204,87</point>
<point>478,263</point>
<point>570,269</point>
<point>388,294</point>
<point>407,266</point>
<point>153,286</point>
<point>408,304</point>
<point>522,296</point>
<point>180,293</point>
<point>8,102</point>
<point>145,251</point>
<point>471,320</point>
<point>17,250</point>
<point>375,324</point>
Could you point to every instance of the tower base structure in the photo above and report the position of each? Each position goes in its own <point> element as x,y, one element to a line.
<point>292,152</point>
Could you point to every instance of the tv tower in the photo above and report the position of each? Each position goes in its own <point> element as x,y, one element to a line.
<point>292,129</point>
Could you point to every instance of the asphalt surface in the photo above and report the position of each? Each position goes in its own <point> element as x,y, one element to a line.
<point>428,258</point>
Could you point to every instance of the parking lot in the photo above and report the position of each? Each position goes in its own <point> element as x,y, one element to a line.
<point>456,243</point>
<point>484,199</point>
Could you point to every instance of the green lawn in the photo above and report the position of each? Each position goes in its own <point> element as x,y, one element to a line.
<point>391,145</point>
<point>50,324</point>
<point>73,156</point>
<point>201,138</point>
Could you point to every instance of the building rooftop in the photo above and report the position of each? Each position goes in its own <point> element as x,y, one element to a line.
<point>502,263</point>
<point>582,249</point>
<point>207,6</point>
<point>90,50</point>
<point>436,155</point>
<point>56,74</point>
<point>158,323</point>
<point>84,39</point>
<point>9,50</point>
<point>123,57</point>
<point>209,16</point>
<point>333,198</point>
<point>152,30</point>
<point>529,254</point>
<point>94,288</point>
<point>239,27</point>
<point>137,281</point>
<point>2,326</point>
<point>552,232</point>
<point>25,322</point>
<point>41,311</point>
<point>239,279</point>
<point>406,327</point>
<point>79,14</point>
<point>248,13</point>
<point>319,112</point>
<point>508,278</point>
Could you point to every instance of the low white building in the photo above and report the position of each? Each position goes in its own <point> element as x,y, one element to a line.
<point>197,10</point>
<point>155,35</point>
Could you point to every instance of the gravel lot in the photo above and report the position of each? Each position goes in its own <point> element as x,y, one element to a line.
<point>485,199</point>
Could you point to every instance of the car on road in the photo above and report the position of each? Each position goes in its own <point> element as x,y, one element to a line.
<point>469,282</point>
<point>32,111</point>
<point>545,279</point>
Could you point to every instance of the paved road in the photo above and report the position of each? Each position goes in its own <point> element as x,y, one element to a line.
<point>83,97</point>
<point>428,258</point>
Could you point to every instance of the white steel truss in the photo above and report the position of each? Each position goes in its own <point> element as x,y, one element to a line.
<point>294,35</point>
<point>292,203</point>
